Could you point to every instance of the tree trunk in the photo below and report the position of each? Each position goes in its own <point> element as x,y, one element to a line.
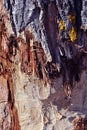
<point>43,65</point>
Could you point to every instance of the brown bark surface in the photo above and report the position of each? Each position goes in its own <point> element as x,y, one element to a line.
<point>43,65</point>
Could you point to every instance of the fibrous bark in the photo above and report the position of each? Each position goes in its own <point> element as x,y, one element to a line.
<point>43,64</point>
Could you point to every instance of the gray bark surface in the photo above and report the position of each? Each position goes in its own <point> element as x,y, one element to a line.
<point>43,65</point>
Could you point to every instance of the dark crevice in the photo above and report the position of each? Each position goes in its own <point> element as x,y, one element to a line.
<point>50,22</point>
<point>11,18</point>
<point>78,9</point>
<point>9,93</point>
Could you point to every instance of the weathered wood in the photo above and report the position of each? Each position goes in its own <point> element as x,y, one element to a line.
<point>43,64</point>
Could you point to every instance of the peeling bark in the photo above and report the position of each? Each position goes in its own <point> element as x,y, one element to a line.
<point>43,65</point>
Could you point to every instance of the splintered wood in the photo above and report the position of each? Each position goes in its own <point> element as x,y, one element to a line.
<point>32,55</point>
<point>80,123</point>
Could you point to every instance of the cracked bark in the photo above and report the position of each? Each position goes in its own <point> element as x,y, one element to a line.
<point>43,64</point>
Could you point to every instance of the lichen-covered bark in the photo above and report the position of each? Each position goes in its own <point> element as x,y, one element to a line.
<point>43,65</point>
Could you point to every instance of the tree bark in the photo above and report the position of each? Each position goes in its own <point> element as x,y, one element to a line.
<point>43,64</point>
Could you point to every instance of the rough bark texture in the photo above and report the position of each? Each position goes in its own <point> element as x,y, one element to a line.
<point>43,65</point>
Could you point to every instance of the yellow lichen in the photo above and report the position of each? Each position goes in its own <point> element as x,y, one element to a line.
<point>72,18</point>
<point>62,25</point>
<point>73,34</point>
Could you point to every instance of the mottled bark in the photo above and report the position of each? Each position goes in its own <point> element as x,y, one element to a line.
<point>43,64</point>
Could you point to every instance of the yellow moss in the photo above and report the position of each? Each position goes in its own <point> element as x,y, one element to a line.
<point>73,34</point>
<point>62,25</point>
<point>72,18</point>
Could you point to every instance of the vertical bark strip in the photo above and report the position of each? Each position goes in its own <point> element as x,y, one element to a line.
<point>43,64</point>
